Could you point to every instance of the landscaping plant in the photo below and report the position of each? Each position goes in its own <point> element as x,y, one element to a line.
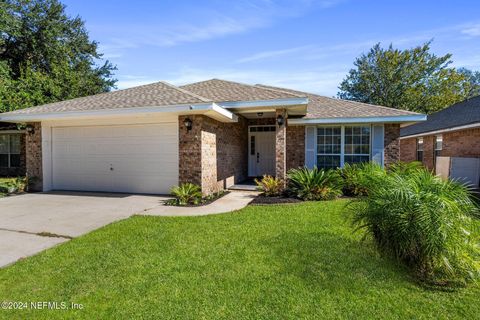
<point>423,221</point>
<point>187,193</point>
<point>270,186</point>
<point>314,184</point>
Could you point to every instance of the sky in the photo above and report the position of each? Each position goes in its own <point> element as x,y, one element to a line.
<point>304,44</point>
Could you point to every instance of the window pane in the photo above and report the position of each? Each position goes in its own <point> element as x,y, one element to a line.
<point>328,162</point>
<point>14,160</point>
<point>4,160</point>
<point>15,143</point>
<point>4,143</point>
<point>356,159</point>
<point>358,143</point>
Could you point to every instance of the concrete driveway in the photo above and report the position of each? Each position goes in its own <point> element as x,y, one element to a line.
<point>31,223</point>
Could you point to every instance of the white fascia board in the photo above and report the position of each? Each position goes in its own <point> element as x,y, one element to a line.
<point>211,108</point>
<point>264,103</point>
<point>391,119</point>
<point>429,133</point>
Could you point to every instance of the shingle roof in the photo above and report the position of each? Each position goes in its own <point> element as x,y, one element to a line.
<point>155,94</point>
<point>459,114</point>
<point>223,91</point>
<point>325,107</point>
<point>163,94</point>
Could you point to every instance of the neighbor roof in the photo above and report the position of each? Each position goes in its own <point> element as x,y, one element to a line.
<point>150,95</point>
<point>223,91</point>
<point>460,114</point>
<point>325,107</point>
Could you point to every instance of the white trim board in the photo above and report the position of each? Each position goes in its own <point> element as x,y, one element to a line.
<point>390,119</point>
<point>210,109</point>
<point>428,133</point>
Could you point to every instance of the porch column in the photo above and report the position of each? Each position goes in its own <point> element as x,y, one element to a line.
<point>33,146</point>
<point>280,144</point>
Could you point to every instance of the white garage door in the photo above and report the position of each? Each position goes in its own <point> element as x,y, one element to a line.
<point>127,158</point>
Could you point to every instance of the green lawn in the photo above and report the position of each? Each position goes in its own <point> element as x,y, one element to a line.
<point>270,262</point>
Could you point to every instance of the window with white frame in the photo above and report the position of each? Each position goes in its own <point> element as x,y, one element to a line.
<point>357,144</point>
<point>438,145</point>
<point>420,149</point>
<point>10,150</point>
<point>329,147</point>
<point>337,145</point>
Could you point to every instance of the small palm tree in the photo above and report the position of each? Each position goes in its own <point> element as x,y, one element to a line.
<point>314,184</point>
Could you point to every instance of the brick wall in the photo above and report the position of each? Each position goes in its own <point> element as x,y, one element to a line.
<point>408,150</point>
<point>295,147</point>
<point>463,143</point>
<point>213,154</point>
<point>33,162</point>
<point>19,171</point>
<point>391,143</point>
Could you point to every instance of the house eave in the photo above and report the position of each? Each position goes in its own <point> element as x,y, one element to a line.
<point>264,103</point>
<point>452,129</point>
<point>210,109</point>
<point>386,119</point>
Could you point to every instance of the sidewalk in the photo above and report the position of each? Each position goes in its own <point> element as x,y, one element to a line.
<point>235,200</point>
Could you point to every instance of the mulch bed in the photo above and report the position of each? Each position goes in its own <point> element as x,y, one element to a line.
<point>203,203</point>
<point>274,200</point>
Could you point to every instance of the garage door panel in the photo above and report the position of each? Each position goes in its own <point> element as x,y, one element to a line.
<point>134,158</point>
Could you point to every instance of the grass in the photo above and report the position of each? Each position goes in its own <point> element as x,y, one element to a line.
<point>290,261</point>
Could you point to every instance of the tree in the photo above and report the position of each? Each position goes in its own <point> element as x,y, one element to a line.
<point>473,77</point>
<point>412,79</point>
<point>47,56</point>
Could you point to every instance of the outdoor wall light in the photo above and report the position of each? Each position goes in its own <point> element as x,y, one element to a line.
<point>260,114</point>
<point>188,124</point>
<point>280,120</point>
<point>30,129</point>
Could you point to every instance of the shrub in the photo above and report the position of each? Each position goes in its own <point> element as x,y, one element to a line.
<point>270,186</point>
<point>314,184</point>
<point>358,177</point>
<point>405,167</point>
<point>187,193</point>
<point>423,221</point>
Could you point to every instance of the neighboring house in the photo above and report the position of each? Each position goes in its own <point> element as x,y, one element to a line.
<point>12,150</point>
<point>448,142</point>
<point>213,133</point>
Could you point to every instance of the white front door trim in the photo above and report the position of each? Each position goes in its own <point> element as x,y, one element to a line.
<point>261,151</point>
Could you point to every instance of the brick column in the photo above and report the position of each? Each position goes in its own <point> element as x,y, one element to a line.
<point>280,145</point>
<point>33,163</point>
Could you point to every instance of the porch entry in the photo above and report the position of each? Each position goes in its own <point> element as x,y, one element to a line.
<point>261,150</point>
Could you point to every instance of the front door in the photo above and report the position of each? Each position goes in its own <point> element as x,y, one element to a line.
<point>261,151</point>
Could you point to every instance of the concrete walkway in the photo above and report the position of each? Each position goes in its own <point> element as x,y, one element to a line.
<point>235,200</point>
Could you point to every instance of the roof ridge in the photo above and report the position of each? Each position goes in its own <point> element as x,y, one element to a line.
<point>185,91</point>
<point>338,99</point>
<point>245,84</point>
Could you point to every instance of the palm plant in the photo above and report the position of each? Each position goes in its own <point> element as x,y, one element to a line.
<point>187,193</point>
<point>270,186</point>
<point>423,221</point>
<point>314,184</point>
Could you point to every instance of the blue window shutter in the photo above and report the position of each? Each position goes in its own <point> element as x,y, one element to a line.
<point>377,144</point>
<point>310,147</point>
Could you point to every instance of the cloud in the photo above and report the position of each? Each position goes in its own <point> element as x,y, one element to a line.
<point>129,81</point>
<point>239,17</point>
<point>473,31</point>
<point>272,54</point>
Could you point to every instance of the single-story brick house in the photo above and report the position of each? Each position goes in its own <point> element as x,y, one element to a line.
<point>12,150</point>
<point>448,142</point>
<point>213,133</point>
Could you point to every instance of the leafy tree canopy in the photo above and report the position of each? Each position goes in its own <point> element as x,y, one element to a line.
<point>473,77</point>
<point>47,56</point>
<point>413,79</point>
